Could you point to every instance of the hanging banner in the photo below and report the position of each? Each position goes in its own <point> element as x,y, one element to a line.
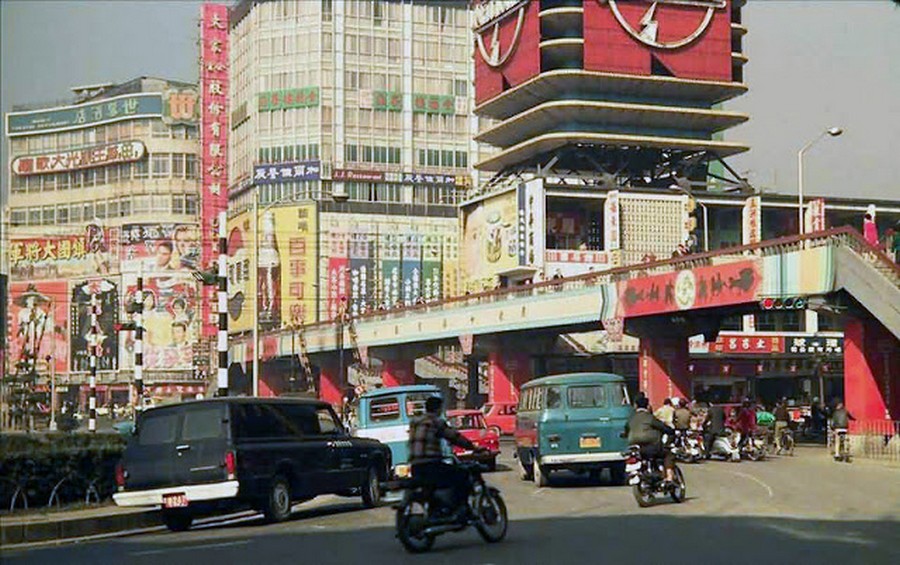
<point>337,272</point>
<point>390,271</point>
<point>411,269</point>
<point>107,293</point>
<point>213,143</point>
<point>432,268</point>
<point>361,275</point>
<point>159,248</point>
<point>611,228</point>
<point>814,216</point>
<point>38,324</point>
<point>170,320</point>
<point>94,251</point>
<point>752,221</point>
<point>531,223</point>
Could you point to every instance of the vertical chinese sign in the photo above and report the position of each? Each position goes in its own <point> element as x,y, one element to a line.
<point>752,221</point>
<point>213,141</point>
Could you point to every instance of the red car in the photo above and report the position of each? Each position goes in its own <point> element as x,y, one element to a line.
<point>470,424</point>
<point>501,415</point>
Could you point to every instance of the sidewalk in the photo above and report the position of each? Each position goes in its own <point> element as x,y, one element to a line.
<point>41,526</point>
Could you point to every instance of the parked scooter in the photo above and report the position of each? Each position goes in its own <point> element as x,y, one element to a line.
<point>725,447</point>
<point>689,446</point>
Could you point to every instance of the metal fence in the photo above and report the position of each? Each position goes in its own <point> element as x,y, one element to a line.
<point>875,439</point>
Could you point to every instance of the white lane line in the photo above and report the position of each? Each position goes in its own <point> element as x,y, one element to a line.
<point>538,491</point>
<point>755,480</point>
<point>190,547</point>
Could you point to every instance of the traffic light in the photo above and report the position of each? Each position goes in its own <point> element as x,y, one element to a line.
<point>789,303</point>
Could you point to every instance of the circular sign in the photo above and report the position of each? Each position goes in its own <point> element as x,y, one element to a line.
<point>493,56</point>
<point>646,30</point>
<point>685,289</point>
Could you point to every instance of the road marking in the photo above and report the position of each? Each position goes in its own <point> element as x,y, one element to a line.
<point>190,547</point>
<point>538,491</point>
<point>755,480</point>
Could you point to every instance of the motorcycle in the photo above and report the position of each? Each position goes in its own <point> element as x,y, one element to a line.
<point>754,448</point>
<point>689,446</point>
<point>424,512</point>
<point>647,478</point>
<point>724,447</point>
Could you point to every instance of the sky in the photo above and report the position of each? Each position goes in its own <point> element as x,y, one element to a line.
<point>813,64</point>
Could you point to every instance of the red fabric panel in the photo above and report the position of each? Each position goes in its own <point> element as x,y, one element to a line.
<point>523,64</point>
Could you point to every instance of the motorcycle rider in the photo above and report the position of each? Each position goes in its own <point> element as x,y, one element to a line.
<point>426,455</point>
<point>682,416</point>
<point>644,430</point>
<point>714,425</point>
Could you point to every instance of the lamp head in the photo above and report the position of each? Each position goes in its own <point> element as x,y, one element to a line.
<point>834,132</point>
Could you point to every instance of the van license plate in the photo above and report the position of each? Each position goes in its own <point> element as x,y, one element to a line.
<point>175,500</point>
<point>589,442</point>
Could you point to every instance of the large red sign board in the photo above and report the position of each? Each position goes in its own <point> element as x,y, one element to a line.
<point>507,48</point>
<point>690,289</point>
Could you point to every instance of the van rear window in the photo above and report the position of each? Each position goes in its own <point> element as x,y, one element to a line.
<point>587,396</point>
<point>156,429</point>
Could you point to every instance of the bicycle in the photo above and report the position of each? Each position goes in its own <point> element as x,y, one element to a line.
<point>786,441</point>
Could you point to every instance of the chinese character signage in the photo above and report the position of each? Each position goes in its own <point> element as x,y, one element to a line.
<point>107,338</point>
<point>286,172</point>
<point>531,228</point>
<point>296,236</point>
<point>84,115</point>
<point>815,344</point>
<point>389,101</point>
<point>815,215</point>
<point>290,98</point>
<point>434,104</point>
<point>752,220</point>
<point>65,256</point>
<point>38,323</point>
<point>98,156</point>
<point>611,228</point>
<point>213,140</point>
<point>159,248</point>
<point>181,106</point>
<point>446,180</point>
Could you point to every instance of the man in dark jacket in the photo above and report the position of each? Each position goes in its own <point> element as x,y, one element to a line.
<point>644,430</point>
<point>782,421</point>
<point>713,426</point>
<point>840,421</point>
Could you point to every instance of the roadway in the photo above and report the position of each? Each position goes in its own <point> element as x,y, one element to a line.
<point>801,509</point>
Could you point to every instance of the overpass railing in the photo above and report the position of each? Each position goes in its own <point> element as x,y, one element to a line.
<point>845,236</point>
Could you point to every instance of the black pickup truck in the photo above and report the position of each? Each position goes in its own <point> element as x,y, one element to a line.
<point>205,456</point>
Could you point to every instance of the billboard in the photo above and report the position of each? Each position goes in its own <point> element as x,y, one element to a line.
<point>296,238</point>
<point>241,283</point>
<point>532,223</point>
<point>690,39</point>
<point>751,220</point>
<point>107,293</point>
<point>77,159</point>
<point>159,248</point>
<point>170,319</point>
<point>490,240</point>
<point>213,141</point>
<point>38,323</point>
<point>95,251</point>
<point>507,45</point>
<point>127,107</point>
<point>362,274</point>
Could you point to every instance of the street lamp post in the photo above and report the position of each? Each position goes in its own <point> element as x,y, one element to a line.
<point>833,132</point>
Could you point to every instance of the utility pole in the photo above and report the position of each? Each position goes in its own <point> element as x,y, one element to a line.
<point>94,336</point>
<point>139,344</point>
<point>222,343</point>
<point>52,393</point>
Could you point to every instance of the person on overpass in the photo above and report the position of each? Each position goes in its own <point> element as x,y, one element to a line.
<point>646,431</point>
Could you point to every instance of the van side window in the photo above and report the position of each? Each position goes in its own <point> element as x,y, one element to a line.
<point>384,409</point>
<point>554,399</point>
<point>202,423</point>
<point>302,419</point>
<point>264,421</point>
<point>587,396</point>
<point>326,423</point>
<point>156,429</point>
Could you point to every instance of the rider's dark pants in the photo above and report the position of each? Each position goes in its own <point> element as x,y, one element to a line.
<point>655,452</point>
<point>444,475</point>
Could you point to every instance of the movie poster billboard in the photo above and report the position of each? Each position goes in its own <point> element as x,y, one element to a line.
<point>90,252</point>
<point>296,237</point>
<point>171,321</point>
<point>38,324</point>
<point>159,248</point>
<point>107,296</point>
<point>241,282</point>
<point>490,240</point>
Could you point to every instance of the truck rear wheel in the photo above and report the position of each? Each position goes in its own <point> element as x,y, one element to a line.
<point>177,520</point>
<point>277,506</point>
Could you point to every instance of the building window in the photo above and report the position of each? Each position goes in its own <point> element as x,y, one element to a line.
<point>178,204</point>
<point>446,158</point>
<point>62,214</point>
<point>462,159</point>
<point>161,165</point>
<point>19,217</point>
<point>350,153</point>
<point>190,204</point>
<point>460,88</point>
<point>178,165</point>
<point>434,158</point>
<point>100,209</point>
<point>140,169</point>
<point>34,216</point>
<point>159,129</point>
<point>112,209</point>
<point>125,206</point>
<point>75,213</point>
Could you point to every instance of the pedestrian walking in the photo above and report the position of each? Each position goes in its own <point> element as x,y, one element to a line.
<point>870,229</point>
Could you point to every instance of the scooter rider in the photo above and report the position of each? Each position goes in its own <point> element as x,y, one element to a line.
<point>644,430</point>
<point>426,456</point>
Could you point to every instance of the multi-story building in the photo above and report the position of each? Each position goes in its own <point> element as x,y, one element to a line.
<point>351,129</point>
<point>104,189</point>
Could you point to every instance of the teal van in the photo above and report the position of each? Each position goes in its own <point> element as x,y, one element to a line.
<point>385,413</point>
<point>573,422</point>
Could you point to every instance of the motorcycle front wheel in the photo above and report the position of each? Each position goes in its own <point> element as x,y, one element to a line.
<point>410,524</point>
<point>642,495</point>
<point>490,511</point>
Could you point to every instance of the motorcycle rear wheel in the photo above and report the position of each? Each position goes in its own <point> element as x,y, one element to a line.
<point>407,523</point>
<point>492,518</point>
<point>679,491</point>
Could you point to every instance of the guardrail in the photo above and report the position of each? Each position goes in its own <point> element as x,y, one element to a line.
<point>875,439</point>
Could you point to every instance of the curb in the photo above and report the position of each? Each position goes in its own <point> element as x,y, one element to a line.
<point>61,529</point>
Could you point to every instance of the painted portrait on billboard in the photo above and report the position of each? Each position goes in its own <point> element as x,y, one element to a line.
<point>490,240</point>
<point>38,324</point>
<point>171,321</point>
<point>241,282</point>
<point>158,248</point>
<point>107,293</point>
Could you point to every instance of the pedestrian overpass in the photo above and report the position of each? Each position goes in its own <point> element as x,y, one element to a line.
<point>662,303</point>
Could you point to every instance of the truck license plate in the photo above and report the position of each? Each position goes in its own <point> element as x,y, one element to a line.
<point>589,442</point>
<point>175,500</point>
